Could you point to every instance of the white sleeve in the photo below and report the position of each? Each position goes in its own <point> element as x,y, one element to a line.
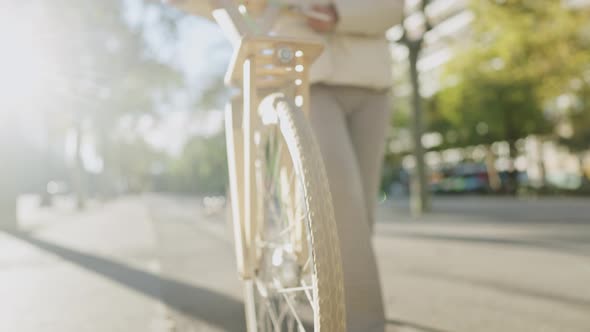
<point>368,17</point>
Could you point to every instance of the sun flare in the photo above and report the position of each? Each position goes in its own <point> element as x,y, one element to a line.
<point>25,62</point>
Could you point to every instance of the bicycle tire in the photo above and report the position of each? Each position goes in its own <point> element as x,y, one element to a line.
<point>309,170</point>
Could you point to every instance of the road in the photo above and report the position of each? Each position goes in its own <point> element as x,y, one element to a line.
<point>161,263</point>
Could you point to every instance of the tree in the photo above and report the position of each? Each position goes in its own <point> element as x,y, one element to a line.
<point>111,75</point>
<point>137,163</point>
<point>414,41</point>
<point>520,56</point>
<point>202,167</point>
<point>483,110</point>
<point>538,41</point>
<point>577,118</point>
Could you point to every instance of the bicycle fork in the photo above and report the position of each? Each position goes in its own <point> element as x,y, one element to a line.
<point>260,64</point>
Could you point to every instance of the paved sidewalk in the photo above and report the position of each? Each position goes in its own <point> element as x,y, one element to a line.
<point>480,264</point>
<point>95,271</point>
<point>164,264</point>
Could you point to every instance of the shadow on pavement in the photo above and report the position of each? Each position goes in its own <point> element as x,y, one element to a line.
<point>575,302</point>
<point>511,210</point>
<point>501,241</point>
<point>209,306</point>
<point>409,326</point>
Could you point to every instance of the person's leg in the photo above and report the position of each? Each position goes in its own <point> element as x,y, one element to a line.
<point>368,127</point>
<point>364,304</point>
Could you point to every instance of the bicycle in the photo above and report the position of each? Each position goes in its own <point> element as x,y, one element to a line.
<point>284,229</point>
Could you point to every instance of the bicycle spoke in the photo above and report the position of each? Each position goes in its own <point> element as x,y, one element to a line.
<point>308,295</point>
<point>272,315</point>
<point>261,317</point>
<point>306,265</point>
<point>295,315</point>
<point>295,289</point>
<point>292,225</point>
<point>267,245</point>
<point>285,225</point>
<point>289,302</point>
<point>283,313</point>
<point>288,229</point>
<point>290,324</point>
<point>277,158</point>
<point>276,213</point>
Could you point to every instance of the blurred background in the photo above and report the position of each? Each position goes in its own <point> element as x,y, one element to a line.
<point>118,97</point>
<point>101,99</point>
<point>113,107</point>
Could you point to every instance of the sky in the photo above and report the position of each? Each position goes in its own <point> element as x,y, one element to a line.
<point>201,53</point>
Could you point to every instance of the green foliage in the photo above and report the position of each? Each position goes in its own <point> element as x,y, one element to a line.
<point>520,55</point>
<point>483,110</point>
<point>538,41</point>
<point>201,168</point>
<point>109,75</point>
<point>578,117</point>
<point>137,161</point>
<point>106,63</point>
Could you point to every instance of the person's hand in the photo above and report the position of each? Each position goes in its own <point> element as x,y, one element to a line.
<point>322,25</point>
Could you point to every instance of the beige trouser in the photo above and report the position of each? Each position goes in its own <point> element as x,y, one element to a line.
<point>350,125</point>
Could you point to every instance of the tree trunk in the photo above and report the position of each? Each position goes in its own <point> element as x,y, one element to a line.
<point>419,191</point>
<point>512,184</point>
<point>493,176</point>
<point>79,171</point>
<point>541,162</point>
<point>46,196</point>
<point>8,211</point>
<point>581,165</point>
<point>10,165</point>
<point>105,184</point>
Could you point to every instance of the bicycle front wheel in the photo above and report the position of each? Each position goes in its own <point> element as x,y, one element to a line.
<point>298,281</point>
